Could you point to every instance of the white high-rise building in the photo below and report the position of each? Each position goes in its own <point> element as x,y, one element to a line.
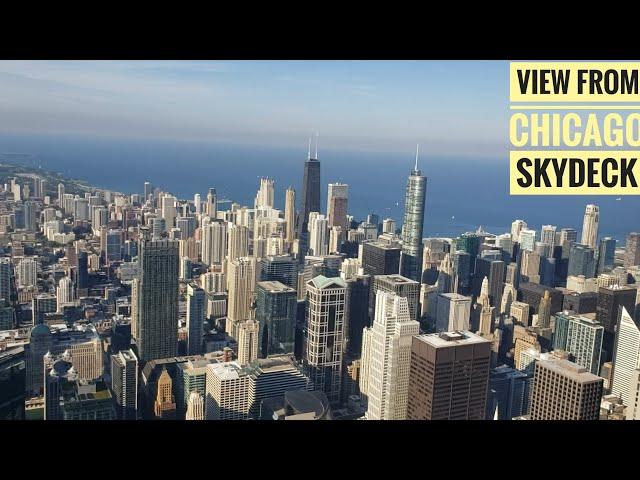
<point>318,235</point>
<point>516,227</point>
<point>389,357</point>
<point>213,241</point>
<point>242,283</point>
<point>64,293</point>
<point>169,211</point>
<point>238,241</point>
<point>227,392</point>
<point>248,341</point>
<point>290,215</point>
<point>27,272</point>
<point>548,235</point>
<point>213,282</point>
<point>124,383</point>
<point>264,197</point>
<point>626,358</point>
<point>590,226</point>
<point>389,225</point>
<point>528,239</point>
<point>197,203</point>
<point>336,237</point>
<point>195,407</point>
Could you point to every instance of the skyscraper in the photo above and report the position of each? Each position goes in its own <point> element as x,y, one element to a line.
<point>148,190</point>
<point>5,280</point>
<point>389,354</point>
<point>169,211</point>
<point>380,258</point>
<point>590,226</point>
<point>276,307</point>
<point>399,285</point>
<point>238,241</point>
<point>318,235</point>
<point>41,304</point>
<point>581,261</point>
<point>516,227</point>
<point>324,334</point>
<point>581,337</point>
<point>610,301</point>
<point>12,383</point>
<point>242,281</point>
<point>227,392</point>
<point>213,241</point>
<point>626,358</point>
<point>412,225</point>
<point>548,235</point>
<point>196,312</point>
<point>155,300</point>
<point>290,215</point>
<point>195,407</point>
<point>40,342</point>
<point>280,268</point>
<point>164,407</point>
<point>310,200</point>
<point>527,239</point>
<point>632,250</point>
<point>448,376</point>
<point>264,197</point>
<point>452,312</point>
<point>563,390</point>
<point>337,205</point>
<point>64,293</point>
<point>509,392</point>
<point>124,383</point>
<point>212,204</point>
<point>485,310</point>
<point>606,254</point>
<point>248,333</point>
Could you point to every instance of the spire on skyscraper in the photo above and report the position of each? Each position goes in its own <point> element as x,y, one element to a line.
<point>316,157</point>
<point>417,152</point>
<point>309,154</point>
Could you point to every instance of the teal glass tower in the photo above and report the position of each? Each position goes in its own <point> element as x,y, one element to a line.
<point>412,225</point>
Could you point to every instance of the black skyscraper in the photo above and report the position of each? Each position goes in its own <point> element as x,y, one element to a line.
<point>310,201</point>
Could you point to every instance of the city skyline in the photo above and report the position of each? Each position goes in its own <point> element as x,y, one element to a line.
<point>257,285</point>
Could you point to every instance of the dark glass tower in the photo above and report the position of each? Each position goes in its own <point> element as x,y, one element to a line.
<point>276,308</point>
<point>412,225</point>
<point>155,300</point>
<point>310,201</point>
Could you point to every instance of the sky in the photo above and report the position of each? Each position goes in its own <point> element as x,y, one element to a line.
<point>456,108</point>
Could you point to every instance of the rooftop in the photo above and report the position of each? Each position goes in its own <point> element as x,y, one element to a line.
<point>323,282</point>
<point>395,278</point>
<point>568,369</point>
<point>227,371</point>
<point>451,339</point>
<point>275,286</point>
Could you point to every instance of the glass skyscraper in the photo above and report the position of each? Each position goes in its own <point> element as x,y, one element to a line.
<point>310,201</point>
<point>412,225</point>
<point>276,312</point>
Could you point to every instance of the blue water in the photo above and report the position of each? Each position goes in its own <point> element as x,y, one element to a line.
<point>473,190</point>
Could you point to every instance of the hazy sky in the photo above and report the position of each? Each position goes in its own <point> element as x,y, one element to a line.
<point>456,108</point>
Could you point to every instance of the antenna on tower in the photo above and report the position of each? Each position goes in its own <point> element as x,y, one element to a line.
<point>317,145</point>
<point>417,152</point>
<point>309,155</point>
